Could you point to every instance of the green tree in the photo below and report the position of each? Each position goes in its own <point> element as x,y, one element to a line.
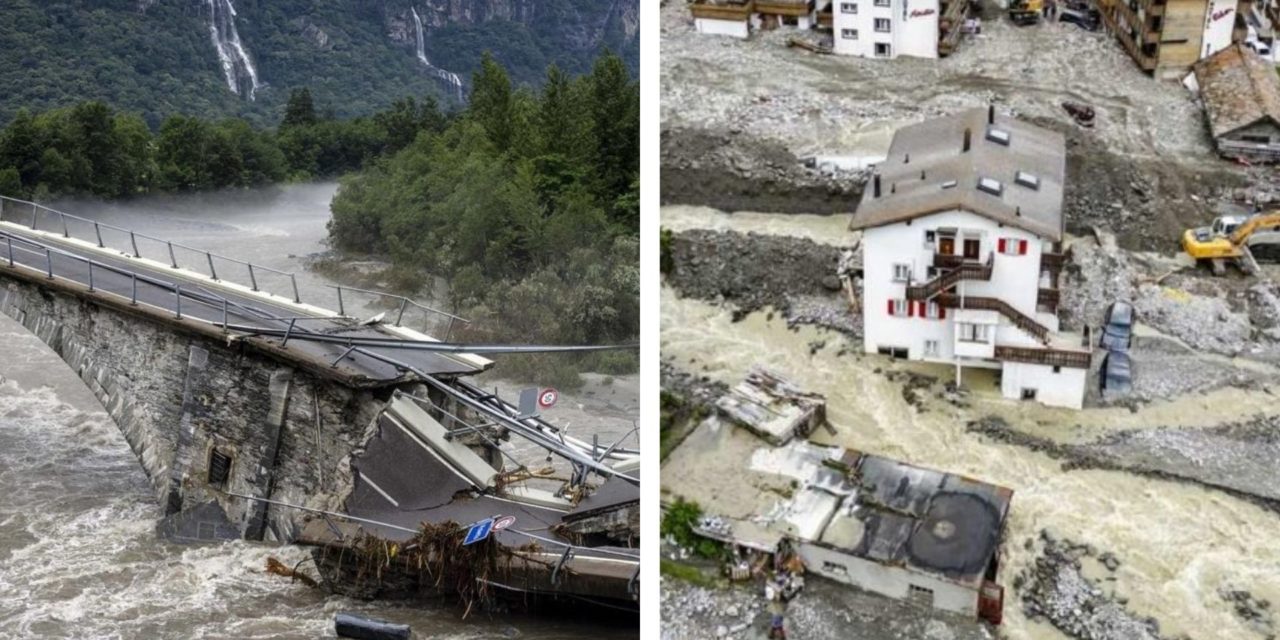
<point>615,118</point>
<point>11,183</point>
<point>491,102</point>
<point>299,111</point>
<point>21,146</point>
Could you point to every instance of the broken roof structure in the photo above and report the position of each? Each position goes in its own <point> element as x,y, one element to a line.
<point>773,408</point>
<point>991,165</point>
<point>1239,90</point>
<point>857,506</point>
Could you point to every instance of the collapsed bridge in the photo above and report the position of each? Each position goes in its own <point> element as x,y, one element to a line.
<point>262,416</point>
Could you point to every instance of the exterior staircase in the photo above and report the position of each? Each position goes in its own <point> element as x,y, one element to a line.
<point>944,281</point>
<point>1018,318</point>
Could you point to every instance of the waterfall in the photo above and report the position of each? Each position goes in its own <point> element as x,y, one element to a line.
<point>448,76</point>
<point>236,65</point>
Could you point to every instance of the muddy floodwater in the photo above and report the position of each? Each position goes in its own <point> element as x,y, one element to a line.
<point>79,557</point>
<point>1178,544</point>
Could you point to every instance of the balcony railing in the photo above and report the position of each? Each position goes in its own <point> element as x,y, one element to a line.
<point>722,9</point>
<point>1049,357</point>
<point>1048,297</point>
<point>1019,319</point>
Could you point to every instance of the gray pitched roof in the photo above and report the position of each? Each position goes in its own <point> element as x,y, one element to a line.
<point>928,172</point>
<point>1238,89</point>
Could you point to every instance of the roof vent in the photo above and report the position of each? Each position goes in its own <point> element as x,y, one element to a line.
<point>990,185</point>
<point>998,136</point>
<point>1028,180</point>
<point>950,184</point>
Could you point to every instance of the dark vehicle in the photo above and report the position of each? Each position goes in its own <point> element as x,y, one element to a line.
<point>1117,333</point>
<point>1087,19</point>
<point>1115,378</point>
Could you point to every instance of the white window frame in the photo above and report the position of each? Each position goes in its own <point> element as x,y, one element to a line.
<point>883,3</point>
<point>849,34</point>
<point>888,28</point>
<point>1012,246</point>
<point>850,8</point>
<point>901,308</point>
<point>901,272</point>
<point>932,348</point>
<point>973,332</point>
<point>932,310</point>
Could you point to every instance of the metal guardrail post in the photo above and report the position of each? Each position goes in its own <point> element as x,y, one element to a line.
<point>10,242</point>
<point>90,263</point>
<point>341,311</point>
<point>296,298</point>
<point>449,332</point>
<point>224,315</point>
<point>134,241</point>
<point>97,230</point>
<point>404,302</point>
<point>133,300</point>
<point>284,344</point>
<point>212,273</point>
<point>48,257</point>
<point>252,280</point>
<point>33,216</point>
<point>65,232</point>
<point>173,261</point>
<point>177,295</point>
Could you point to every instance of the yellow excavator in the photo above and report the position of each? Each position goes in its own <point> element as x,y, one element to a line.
<point>1025,12</point>
<point>1242,240</point>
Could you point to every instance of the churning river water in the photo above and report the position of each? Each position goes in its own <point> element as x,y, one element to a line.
<point>79,557</point>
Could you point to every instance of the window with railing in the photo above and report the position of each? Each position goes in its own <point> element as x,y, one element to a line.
<point>973,332</point>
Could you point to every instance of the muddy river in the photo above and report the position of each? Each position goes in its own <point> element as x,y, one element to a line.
<point>1178,544</point>
<point>79,556</point>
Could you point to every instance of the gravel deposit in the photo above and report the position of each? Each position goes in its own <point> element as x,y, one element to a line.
<point>1054,589</point>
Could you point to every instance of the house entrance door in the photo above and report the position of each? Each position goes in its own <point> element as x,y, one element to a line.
<point>970,249</point>
<point>947,245</point>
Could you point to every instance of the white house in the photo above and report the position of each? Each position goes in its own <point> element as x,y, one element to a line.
<point>733,18</point>
<point>962,225</point>
<point>885,28</point>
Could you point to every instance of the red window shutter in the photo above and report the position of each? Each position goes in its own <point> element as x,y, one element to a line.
<point>911,309</point>
<point>1001,245</point>
<point>1022,247</point>
<point>891,307</point>
<point>942,312</point>
<point>924,308</point>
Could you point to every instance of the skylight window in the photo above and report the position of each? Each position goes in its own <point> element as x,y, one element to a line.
<point>990,185</point>
<point>998,136</point>
<point>950,184</point>
<point>1028,180</point>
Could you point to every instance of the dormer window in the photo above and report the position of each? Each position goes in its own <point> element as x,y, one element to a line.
<point>1028,180</point>
<point>990,185</point>
<point>998,136</point>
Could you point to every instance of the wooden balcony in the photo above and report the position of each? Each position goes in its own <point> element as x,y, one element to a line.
<point>966,271</point>
<point>1047,357</point>
<point>1048,298</point>
<point>1019,319</point>
<point>723,9</point>
<point>784,8</point>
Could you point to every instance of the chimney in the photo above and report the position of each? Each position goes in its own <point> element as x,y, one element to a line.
<point>906,158</point>
<point>991,114</point>
<point>922,174</point>
<point>893,188</point>
<point>967,135</point>
<point>875,191</point>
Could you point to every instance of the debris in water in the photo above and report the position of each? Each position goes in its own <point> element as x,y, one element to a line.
<point>350,625</point>
<point>279,568</point>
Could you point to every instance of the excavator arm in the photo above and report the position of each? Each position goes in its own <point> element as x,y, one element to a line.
<point>1261,221</point>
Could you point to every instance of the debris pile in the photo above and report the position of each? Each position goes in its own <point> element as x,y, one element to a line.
<point>773,408</point>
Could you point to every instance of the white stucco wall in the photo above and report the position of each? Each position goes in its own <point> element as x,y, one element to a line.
<point>893,582</point>
<point>735,28</point>
<point>913,28</point>
<point>1062,389</point>
<point>1014,279</point>
<point>1219,22</point>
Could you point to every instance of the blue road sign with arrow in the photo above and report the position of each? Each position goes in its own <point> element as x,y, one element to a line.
<point>478,531</point>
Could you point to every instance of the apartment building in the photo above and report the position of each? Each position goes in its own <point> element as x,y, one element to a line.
<point>962,229</point>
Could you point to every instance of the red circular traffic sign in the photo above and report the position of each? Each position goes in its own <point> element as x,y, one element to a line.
<point>502,523</point>
<point>547,398</point>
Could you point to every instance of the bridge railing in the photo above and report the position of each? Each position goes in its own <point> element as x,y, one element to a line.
<point>38,217</point>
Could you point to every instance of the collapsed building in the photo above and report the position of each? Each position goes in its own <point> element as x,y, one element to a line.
<point>881,525</point>
<point>864,28</point>
<point>1241,96</point>
<point>961,252</point>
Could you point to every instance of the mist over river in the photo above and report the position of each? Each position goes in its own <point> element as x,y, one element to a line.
<point>79,557</point>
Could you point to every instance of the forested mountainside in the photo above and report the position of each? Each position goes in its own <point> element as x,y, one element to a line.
<point>215,58</point>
